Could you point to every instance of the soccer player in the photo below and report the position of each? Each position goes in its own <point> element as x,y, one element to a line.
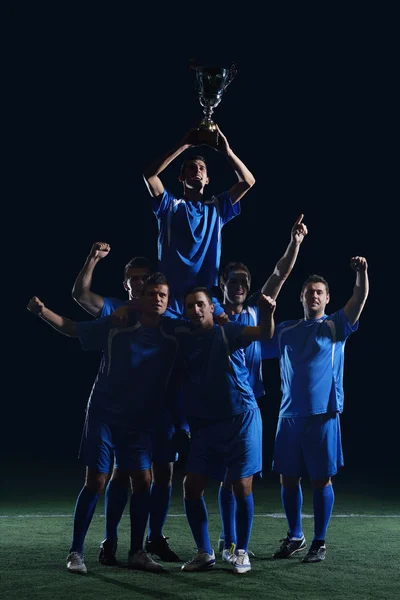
<point>311,354</point>
<point>136,271</point>
<point>189,227</point>
<point>123,409</point>
<point>235,281</point>
<point>224,419</point>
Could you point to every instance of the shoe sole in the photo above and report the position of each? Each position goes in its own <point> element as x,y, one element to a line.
<point>206,567</point>
<point>164,557</point>
<point>142,568</point>
<point>291,554</point>
<point>241,571</point>
<point>77,572</point>
<point>313,560</point>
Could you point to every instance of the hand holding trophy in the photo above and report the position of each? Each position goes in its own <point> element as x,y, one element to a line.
<point>210,83</point>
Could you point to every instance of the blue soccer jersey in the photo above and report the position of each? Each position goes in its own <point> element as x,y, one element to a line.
<point>250,317</point>
<point>215,377</point>
<point>311,354</point>
<point>133,375</point>
<point>189,241</point>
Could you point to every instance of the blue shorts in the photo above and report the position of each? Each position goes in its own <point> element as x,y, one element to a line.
<point>233,445</point>
<point>308,445</point>
<point>162,440</point>
<point>105,446</point>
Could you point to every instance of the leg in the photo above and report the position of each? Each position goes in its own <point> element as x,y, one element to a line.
<point>196,513</point>
<point>84,510</point>
<point>227,509</point>
<point>323,451</point>
<point>116,498</point>
<point>160,497</point>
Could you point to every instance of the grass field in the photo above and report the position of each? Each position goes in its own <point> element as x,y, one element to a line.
<point>363,551</point>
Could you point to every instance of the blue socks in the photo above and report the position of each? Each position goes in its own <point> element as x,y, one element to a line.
<point>244,520</point>
<point>292,501</point>
<point>139,514</point>
<point>116,498</point>
<point>197,516</point>
<point>323,501</point>
<point>160,498</point>
<point>227,509</point>
<point>84,510</point>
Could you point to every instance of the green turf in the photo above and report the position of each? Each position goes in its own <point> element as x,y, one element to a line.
<point>362,561</point>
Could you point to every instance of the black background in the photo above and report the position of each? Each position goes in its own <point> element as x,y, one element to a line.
<point>94,94</point>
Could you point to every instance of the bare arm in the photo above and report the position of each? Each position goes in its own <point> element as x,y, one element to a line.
<point>285,264</point>
<point>245,177</point>
<point>355,305</point>
<point>265,330</point>
<point>81,292</point>
<point>151,174</point>
<point>61,324</point>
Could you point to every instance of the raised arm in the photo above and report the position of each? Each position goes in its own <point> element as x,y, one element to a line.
<point>81,292</point>
<point>245,177</point>
<point>285,264</point>
<point>151,174</point>
<point>61,324</point>
<point>265,330</point>
<point>355,305</point>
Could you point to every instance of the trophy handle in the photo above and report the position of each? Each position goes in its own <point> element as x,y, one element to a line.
<point>232,73</point>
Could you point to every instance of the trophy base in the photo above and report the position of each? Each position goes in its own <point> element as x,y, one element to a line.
<point>209,137</point>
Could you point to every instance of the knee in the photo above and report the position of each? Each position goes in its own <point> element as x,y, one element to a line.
<point>289,482</point>
<point>121,478</point>
<point>141,481</point>
<point>162,474</point>
<point>319,484</point>
<point>243,487</point>
<point>193,488</point>
<point>96,482</point>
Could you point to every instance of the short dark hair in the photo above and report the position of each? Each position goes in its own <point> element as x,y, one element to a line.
<point>155,279</point>
<point>315,279</point>
<point>137,262</point>
<point>191,159</point>
<point>233,266</point>
<point>198,288</point>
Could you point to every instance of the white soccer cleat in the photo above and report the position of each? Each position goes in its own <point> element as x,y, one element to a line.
<point>142,561</point>
<point>201,561</point>
<point>241,562</point>
<point>75,563</point>
<point>228,554</point>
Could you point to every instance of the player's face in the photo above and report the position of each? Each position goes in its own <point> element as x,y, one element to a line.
<point>154,301</point>
<point>195,174</point>
<point>236,287</point>
<point>134,281</point>
<point>314,299</point>
<point>199,310</point>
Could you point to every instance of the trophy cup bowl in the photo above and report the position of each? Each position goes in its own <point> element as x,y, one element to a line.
<point>210,84</point>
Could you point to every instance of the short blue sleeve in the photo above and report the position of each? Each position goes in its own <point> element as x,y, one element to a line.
<point>226,209</point>
<point>93,335</point>
<point>161,204</point>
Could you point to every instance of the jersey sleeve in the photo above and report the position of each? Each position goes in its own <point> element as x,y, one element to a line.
<point>110,304</point>
<point>233,334</point>
<point>342,326</point>
<point>227,210</point>
<point>270,348</point>
<point>93,335</point>
<point>162,204</point>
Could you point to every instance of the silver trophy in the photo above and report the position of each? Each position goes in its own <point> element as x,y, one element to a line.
<point>210,84</point>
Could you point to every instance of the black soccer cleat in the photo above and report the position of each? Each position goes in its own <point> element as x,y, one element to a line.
<point>316,553</point>
<point>162,549</point>
<point>290,547</point>
<point>107,553</point>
